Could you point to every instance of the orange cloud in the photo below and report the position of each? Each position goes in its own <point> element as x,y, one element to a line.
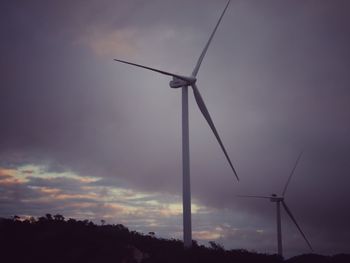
<point>48,190</point>
<point>110,42</point>
<point>75,196</point>
<point>7,172</point>
<point>207,235</point>
<point>8,177</point>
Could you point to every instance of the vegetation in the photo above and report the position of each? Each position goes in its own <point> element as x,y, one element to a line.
<point>52,239</point>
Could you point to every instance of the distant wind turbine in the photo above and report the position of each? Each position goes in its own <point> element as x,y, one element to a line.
<point>280,200</point>
<point>180,81</point>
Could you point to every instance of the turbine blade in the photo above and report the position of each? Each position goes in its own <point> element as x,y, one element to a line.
<point>152,69</point>
<point>254,196</point>
<point>295,222</point>
<point>291,174</point>
<point>206,115</point>
<point>200,59</point>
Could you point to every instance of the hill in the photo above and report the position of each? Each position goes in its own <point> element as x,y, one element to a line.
<point>54,239</point>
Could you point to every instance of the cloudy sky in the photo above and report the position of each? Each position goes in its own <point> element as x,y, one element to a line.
<point>86,137</point>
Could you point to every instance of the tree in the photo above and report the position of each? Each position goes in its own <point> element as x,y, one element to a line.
<point>58,217</point>
<point>216,246</point>
<point>49,217</point>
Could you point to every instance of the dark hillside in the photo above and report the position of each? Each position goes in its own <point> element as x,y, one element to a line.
<point>54,239</point>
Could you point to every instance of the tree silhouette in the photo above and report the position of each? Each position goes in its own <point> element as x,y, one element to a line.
<point>54,239</point>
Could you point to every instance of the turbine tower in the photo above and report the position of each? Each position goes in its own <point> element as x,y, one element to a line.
<point>280,200</point>
<point>183,82</point>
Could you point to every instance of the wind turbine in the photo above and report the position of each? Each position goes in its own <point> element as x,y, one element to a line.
<point>280,200</point>
<point>183,82</point>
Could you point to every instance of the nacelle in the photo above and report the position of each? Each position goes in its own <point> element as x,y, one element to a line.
<point>275,198</point>
<point>179,83</point>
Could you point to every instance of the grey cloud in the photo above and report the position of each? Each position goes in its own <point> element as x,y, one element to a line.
<point>275,81</point>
